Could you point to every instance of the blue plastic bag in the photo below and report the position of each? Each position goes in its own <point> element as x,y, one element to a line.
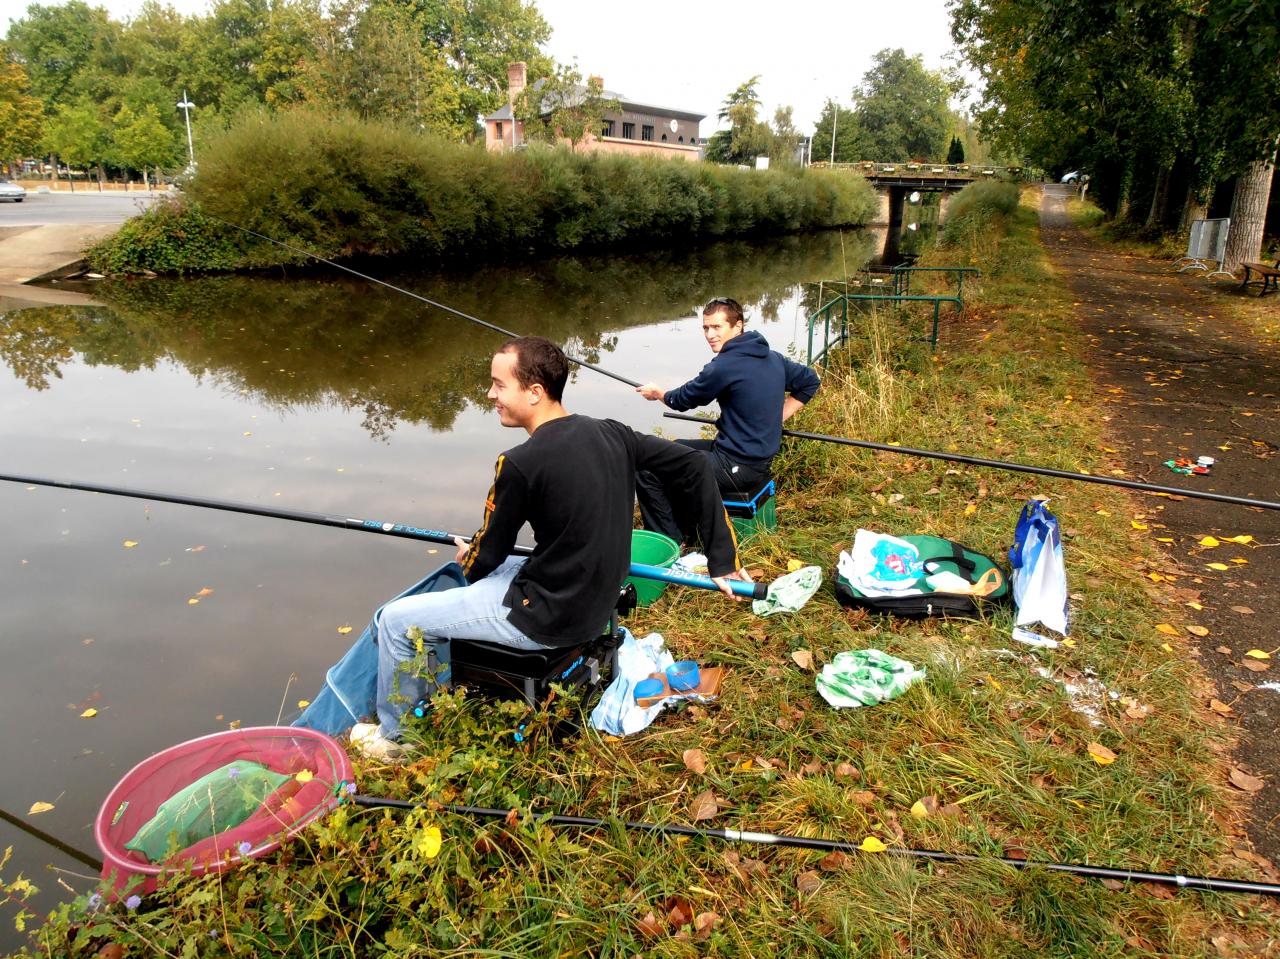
<point>1039,577</point>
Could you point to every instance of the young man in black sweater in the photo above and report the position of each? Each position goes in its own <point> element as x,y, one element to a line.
<point>573,482</point>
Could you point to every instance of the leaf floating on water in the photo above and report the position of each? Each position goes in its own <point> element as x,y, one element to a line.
<point>206,591</point>
<point>192,601</point>
<point>89,713</point>
<point>1101,754</point>
<point>344,630</point>
<point>195,549</point>
<point>130,543</point>
<point>303,703</point>
<point>38,807</point>
<point>248,432</point>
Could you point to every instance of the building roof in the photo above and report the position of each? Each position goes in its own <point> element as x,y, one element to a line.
<point>504,112</point>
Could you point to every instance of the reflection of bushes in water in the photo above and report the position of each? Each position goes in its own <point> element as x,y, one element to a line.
<point>338,340</point>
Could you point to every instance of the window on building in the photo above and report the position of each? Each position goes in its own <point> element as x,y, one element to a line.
<point>664,138</point>
<point>607,131</point>
<point>680,138</point>
<point>497,130</point>
<point>646,132</point>
<point>628,131</point>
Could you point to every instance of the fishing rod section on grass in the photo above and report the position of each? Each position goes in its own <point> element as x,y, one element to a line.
<point>1013,467</point>
<point>409,293</point>
<point>644,571</point>
<point>1204,883</point>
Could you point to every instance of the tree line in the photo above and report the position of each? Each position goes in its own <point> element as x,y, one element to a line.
<point>1162,102</point>
<point>100,92</point>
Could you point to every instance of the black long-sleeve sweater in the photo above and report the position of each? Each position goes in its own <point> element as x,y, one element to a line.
<point>573,482</point>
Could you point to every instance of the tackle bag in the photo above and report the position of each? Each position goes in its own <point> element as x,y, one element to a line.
<point>917,576</point>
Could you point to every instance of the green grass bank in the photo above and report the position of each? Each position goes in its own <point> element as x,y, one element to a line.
<point>341,187</point>
<point>998,735</point>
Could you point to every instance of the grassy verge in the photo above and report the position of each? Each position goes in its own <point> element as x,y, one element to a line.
<point>993,734</point>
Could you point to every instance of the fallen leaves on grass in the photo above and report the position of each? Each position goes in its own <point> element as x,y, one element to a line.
<point>924,807</point>
<point>704,806</point>
<point>803,658</point>
<point>694,761</point>
<point>872,844</point>
<point>847,771</point>
<point>1101,754</point>
<point>808,882</point>
<point>1254,666</point>
<point>1258,654</point>
<point>1166,629</point>
<point>1242,610</point>
<point>1197,631</point>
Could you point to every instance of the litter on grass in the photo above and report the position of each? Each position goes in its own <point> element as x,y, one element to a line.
<point>865,677</point>
<point>789,593</point>
<point>1039,577</point>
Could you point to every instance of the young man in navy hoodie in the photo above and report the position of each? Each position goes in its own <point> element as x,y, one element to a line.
<point>756,389</point>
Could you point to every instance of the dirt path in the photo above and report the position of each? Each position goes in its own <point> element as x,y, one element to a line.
<point>1183,380</point>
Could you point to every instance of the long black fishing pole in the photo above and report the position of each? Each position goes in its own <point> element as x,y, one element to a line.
<point>740,588</point>
<point>830,845</point>
<point>1014,467</point>
<point>50,839</point>
<point>422,299</point>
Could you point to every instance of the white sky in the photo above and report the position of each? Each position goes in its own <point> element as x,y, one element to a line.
<point>689,54</point>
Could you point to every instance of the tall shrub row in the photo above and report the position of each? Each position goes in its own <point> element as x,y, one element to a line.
<point>338,186</point>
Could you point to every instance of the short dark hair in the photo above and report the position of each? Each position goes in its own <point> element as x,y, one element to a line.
<point>725,304</point>
<point>540,361</point>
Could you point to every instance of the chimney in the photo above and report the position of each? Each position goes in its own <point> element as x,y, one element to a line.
<point>517,77</point>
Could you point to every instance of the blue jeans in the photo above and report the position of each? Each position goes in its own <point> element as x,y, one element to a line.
<point>467,612</point>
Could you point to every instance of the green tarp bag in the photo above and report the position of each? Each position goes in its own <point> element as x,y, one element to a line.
<point>917,577</point>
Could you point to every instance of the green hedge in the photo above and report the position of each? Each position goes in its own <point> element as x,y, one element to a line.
<point>343,187</point>
<point>976,209</point>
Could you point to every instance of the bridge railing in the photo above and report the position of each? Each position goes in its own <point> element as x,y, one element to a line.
<point>975,171</point>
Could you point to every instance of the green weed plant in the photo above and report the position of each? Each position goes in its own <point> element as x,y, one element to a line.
<point>990,755</point>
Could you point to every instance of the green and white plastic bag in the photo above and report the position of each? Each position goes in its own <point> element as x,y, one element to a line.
<point>787,594</point>
<point>865,677</point>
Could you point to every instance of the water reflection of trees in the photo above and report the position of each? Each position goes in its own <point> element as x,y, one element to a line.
<point>327,340</point>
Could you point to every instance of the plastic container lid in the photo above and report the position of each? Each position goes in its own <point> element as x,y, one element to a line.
<point>648,687</point>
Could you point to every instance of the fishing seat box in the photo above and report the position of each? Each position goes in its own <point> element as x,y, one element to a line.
<point>507,673</point>
<point>754,514</point>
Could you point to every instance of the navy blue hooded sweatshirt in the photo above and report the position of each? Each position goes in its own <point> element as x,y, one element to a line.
<point>749,381</point>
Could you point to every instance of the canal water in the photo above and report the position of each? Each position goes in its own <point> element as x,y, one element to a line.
<point>310,392</point>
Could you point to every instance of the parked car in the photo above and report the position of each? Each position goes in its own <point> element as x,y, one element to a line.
<point>1071,177</point>
<point>12,191</point>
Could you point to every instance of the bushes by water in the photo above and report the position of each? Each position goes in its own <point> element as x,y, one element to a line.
<point>978,213</point>
<point>343,187</point>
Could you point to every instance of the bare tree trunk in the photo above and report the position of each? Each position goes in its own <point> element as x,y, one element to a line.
<point>1248,214</point>
<point>1194,207</point>
<point>1159,199</point>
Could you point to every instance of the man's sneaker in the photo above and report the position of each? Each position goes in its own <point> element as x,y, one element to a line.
<point>367,739</point>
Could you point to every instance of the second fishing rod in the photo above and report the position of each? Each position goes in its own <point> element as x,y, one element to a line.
<point>865,444</point>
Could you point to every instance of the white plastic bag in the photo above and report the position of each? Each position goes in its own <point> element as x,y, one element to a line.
<point>617,713</point>
<point>1039,576</point>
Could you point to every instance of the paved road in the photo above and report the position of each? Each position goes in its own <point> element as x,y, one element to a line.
<point>42,209</point>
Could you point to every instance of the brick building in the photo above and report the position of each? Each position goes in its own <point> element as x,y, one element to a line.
<point>638,128</point>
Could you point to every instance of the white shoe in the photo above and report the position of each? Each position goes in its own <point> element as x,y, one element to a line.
<point>367,739</point>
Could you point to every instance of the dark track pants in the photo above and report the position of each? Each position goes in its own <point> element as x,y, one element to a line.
<point>737,481</point>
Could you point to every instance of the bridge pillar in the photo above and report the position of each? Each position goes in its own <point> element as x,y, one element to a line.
<point>897,205</point>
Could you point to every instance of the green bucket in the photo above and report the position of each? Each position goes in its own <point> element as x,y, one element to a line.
<point>652,549</point>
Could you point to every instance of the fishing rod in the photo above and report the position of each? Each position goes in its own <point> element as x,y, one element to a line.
<point>644,571</point>
<point>50,839</point>
<point>1206,883</point>
<point>1014,467</point>
<point>399,289</point>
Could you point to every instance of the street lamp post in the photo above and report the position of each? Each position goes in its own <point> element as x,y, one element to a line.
<point>186,106</point>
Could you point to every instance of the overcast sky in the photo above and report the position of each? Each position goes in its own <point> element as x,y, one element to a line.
<point>689,54</point>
